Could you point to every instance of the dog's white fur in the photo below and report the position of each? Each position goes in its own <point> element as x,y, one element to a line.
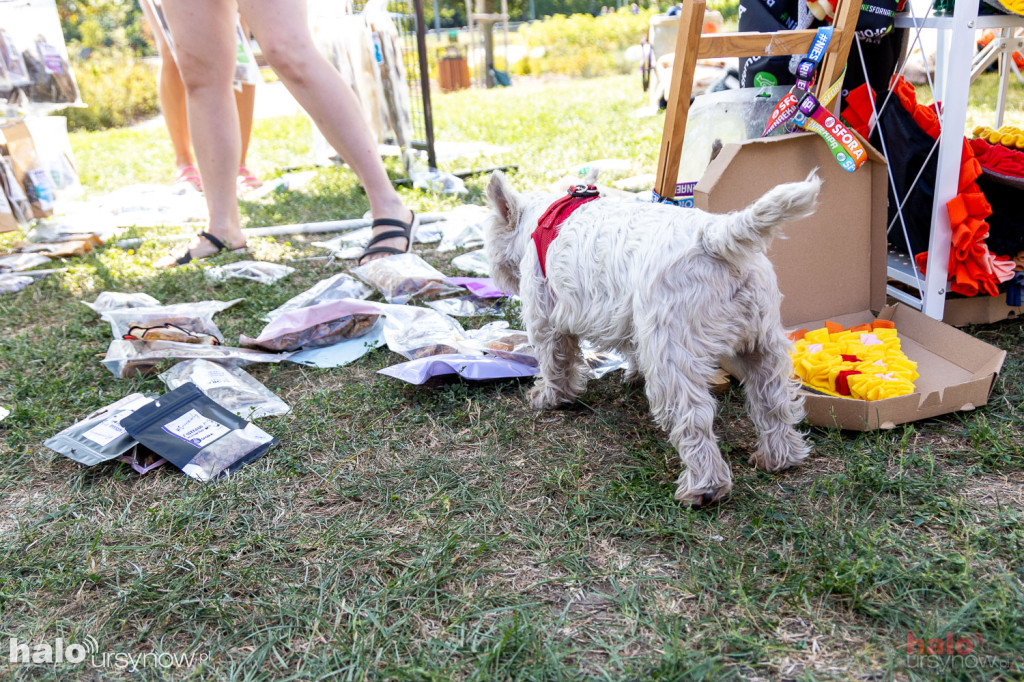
<point>673,289</point>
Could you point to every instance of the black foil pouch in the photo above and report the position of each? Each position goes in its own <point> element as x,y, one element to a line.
<point>195,434</point>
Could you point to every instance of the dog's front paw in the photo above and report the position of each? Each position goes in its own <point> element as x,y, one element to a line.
<point>701,497</point>
<point>543,397</point>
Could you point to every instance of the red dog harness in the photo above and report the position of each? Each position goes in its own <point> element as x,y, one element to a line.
<point>558,213</point>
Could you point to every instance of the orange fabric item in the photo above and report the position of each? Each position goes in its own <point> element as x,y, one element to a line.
<point>860,328</point>
<point>795,336</point>
<point>833,327</point>
<point>972,266</point>
<point>883,324</point>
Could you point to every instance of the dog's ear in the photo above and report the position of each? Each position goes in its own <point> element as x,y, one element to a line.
<point>503,199</point>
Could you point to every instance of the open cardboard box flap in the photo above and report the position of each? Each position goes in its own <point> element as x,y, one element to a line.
<point>832,266</point>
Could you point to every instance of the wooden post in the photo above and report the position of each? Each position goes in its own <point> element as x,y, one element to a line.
<point>845,26</point>
<point>687,42</point>
<point>691,46</point>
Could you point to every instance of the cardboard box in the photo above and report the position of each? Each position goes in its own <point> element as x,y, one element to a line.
<point>832,266</point>
<point>981,309</point>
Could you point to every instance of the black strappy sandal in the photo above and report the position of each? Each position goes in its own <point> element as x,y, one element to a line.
<point>407,231</point>
<point>220,246</point>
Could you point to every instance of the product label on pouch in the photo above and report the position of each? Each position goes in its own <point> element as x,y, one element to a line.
<point>196,429</point>
<point>110,429</point>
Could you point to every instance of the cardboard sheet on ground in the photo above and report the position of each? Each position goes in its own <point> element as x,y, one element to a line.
<point>472,367</point>
<point>340,354</point>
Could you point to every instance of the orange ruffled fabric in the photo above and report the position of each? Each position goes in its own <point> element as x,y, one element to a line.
<point>862,363</point>
<point>972,267</point>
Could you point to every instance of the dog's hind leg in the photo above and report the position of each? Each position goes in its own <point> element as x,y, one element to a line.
<point>683,405</point>
<point>774,405</point>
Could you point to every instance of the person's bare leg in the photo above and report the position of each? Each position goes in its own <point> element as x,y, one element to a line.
<point>281,28</point>
<point>171,92</point>
<point>245,102</point>
<point>204,44</point>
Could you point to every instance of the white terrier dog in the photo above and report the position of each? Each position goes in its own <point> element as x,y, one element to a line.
<point>674,290</point>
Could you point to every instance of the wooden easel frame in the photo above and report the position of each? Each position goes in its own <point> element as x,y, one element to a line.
<point>691,45</point>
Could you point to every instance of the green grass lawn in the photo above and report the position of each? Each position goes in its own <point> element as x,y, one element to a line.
<point>410,533</point>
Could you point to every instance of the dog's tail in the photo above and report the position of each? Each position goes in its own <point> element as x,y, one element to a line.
<point>751,230</point>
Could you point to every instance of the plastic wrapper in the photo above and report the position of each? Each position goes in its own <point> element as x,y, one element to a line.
<point>130,358</point>
<point>34,54</point>
<point>726,116</point>
<point>53,146</point>
<point>320,325</point>
<point>495,338</point>
<point>70,248</point>
<point>601,361</point>
<point>100,436</point>
<point>467,306</point>
<point>482,287</point>
<point>331,289</point>
<point>231,387</point>
<point>416,332</point>
<point>116,300</point>
<point>197,435</point>
<point>18,262</point>
<point>258,271</point>
<point>153,205</point>
<point>193,317</point>
<point>403,277</point>
<point>4,413</point>
<point>438,181</point>
<point>472,367</point>
<point>474,262</point>
<point>11,283</point>
<point>142,461</point>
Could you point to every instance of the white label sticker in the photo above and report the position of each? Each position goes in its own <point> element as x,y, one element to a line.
<point>211,375</point>
<point>110,429</point>
<point>196,429</point>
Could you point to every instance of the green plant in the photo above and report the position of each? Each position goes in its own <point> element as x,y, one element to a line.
<point>582,45</point>
<point>117,88</point>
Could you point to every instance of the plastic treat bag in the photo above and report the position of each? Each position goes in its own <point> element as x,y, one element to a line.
<point>320,325</point>
<point>116,300</point>
<point>480,286</point>
<point>474,262</point>
<point>127,358</point>
<point>197,435</point>
<point>403,277</point>
<point>231,387</point>
<point>601,361</point>
<point>495,338</point>
<point>257,271</point>
<point>415,332</point>
<point>192,317</point>
<point>19,262</point>
<point>472,367</point>
<point>463,228</point>
<point>100,436</point>
<point>467,306</point>
<point>331,289</point>
<point>10,283</point>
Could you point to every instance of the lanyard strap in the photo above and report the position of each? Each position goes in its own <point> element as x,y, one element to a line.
<point>845,147</point>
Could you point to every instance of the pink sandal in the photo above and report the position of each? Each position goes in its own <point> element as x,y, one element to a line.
<point>247,181</point>
<point>190,175</point>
